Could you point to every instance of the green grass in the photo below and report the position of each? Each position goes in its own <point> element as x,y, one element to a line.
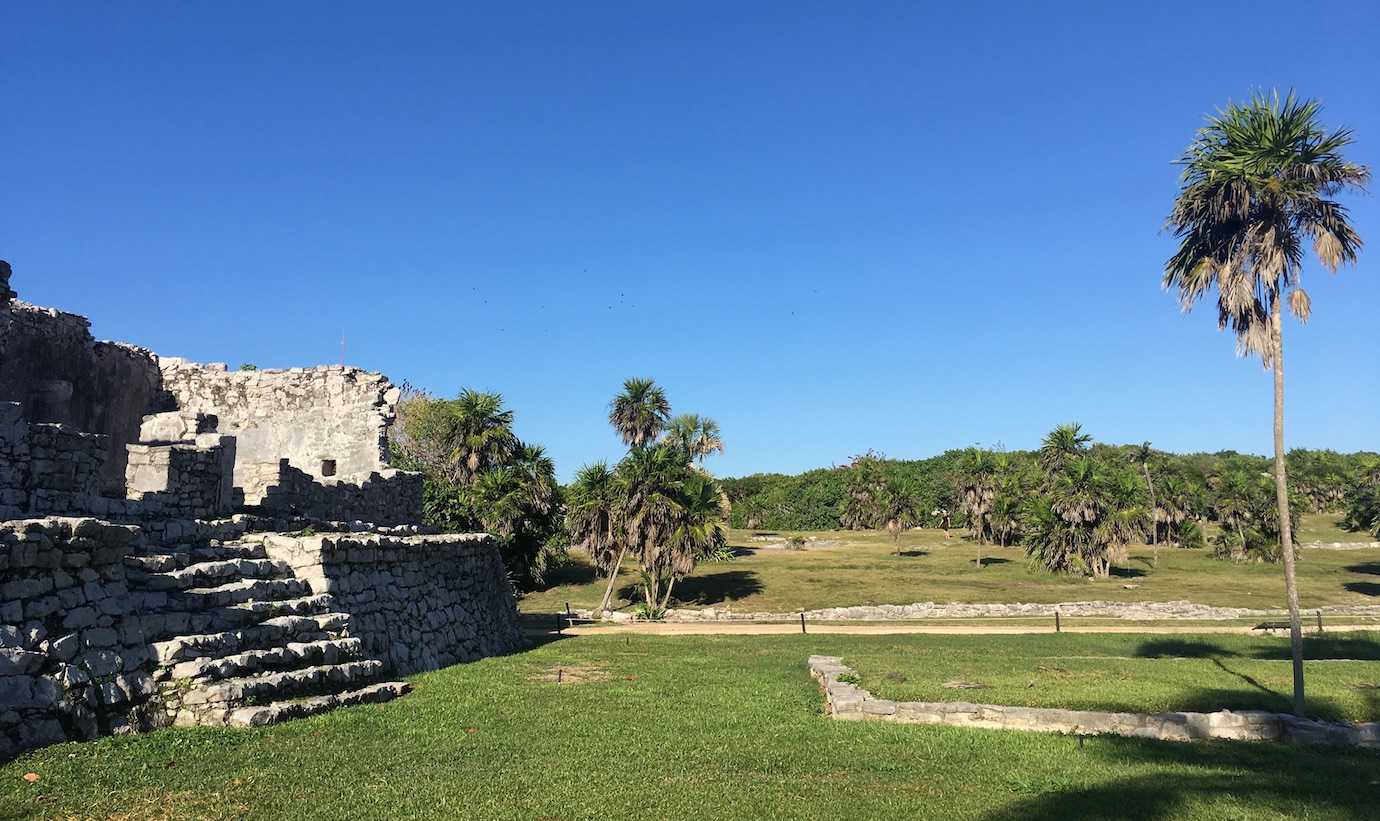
<point>862,569</point>
<point>684,727</point>
<point>1133,673</point>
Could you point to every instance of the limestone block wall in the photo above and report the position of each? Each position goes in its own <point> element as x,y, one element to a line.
<point>190,480</point>
<point>418,602</point>
<point>14,461</point>
<point>385,497</point>
<point>74,662</point>
<point>50,364</point>
<point>326,421</point>
<point>47,468</point>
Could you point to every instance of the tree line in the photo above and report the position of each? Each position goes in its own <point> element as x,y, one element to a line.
<point>986,488</point>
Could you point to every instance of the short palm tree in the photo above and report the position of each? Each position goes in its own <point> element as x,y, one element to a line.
<point>591,518</point>
<point>1062,445</point>
<point>640,412</point>
<point>976,491</point>
<point>699,532</point>
<point>1258,184</point>
<point>481,434</point>
<point>697,435</point>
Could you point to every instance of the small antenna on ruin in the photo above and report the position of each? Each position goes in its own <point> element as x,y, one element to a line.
<point>342,350</point>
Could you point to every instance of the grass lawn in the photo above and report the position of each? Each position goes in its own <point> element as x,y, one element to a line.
<point>686,727</point>
<point>860,567</point>
<point>1133,673</point>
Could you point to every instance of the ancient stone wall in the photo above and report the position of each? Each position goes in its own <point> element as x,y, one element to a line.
<point>418,602</point>
<point>74,660</point>
<point>326,421</point>
<point>50,364</point>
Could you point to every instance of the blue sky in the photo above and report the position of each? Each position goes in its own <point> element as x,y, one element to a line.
<point>832,227</point>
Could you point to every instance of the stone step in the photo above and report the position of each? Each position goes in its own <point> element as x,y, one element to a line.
<point>237,616</point>
<point>231,693</point>
<point>184,556</point>
<point>212,573</point>
<point>260,716</point>
<point>268,633</point>
<point>237,593</point>
<point>287,656</point>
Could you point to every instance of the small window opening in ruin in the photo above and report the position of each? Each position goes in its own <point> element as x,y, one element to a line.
<point>327,467</point>
<point>207,423</point>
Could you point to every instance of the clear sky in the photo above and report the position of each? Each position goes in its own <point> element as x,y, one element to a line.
<point>830,226</point>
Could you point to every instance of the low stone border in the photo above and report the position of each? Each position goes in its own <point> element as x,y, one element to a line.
<point>1130,611</point>
<point>848,702</point>
<point>1340,545</point>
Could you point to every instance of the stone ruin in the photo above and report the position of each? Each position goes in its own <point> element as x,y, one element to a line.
<point>185,544</point>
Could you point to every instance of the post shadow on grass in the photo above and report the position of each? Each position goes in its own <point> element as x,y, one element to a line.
<point>1328,781</point>
<point>913,554</point>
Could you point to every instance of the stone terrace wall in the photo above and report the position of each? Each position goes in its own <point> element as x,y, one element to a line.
<point>847,701</point>
<point>74,662</point>
<point>310,416</point>
<point>51,365</point>
<point>387,497</point>
<point>420,602</point>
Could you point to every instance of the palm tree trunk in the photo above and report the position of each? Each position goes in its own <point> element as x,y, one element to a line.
<point>666,600</point>
<point>1286,536</point>
<point>1154,514</point>
<point>613,577</point>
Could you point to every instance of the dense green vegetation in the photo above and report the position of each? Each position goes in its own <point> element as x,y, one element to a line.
<point>818,499</point>
<point>1135,673</point>
<point>479,476</point>
<point>734,725</point>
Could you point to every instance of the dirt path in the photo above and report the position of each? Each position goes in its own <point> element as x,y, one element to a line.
<point>758,629</point>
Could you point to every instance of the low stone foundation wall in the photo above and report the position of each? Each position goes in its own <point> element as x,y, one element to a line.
<point>847,701</point>
<point>417,602</point>
<point>74,660</point>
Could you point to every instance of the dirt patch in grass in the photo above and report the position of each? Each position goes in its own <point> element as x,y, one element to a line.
<point>572,674</point>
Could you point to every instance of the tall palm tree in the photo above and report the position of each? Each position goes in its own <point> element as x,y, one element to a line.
<point>1258,182</point>
<point>1143,455</point>
<point>697,435</point>
<point>1061,446</point>
<point>591,517</point>
<point>640,412</point>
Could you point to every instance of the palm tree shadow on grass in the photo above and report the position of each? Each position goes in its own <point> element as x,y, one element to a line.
<point>707,589</point>
<point>1364,588</point>
<point>1232,773</point>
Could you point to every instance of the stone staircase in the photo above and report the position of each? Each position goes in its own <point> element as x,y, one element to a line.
<point>242,641</point>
